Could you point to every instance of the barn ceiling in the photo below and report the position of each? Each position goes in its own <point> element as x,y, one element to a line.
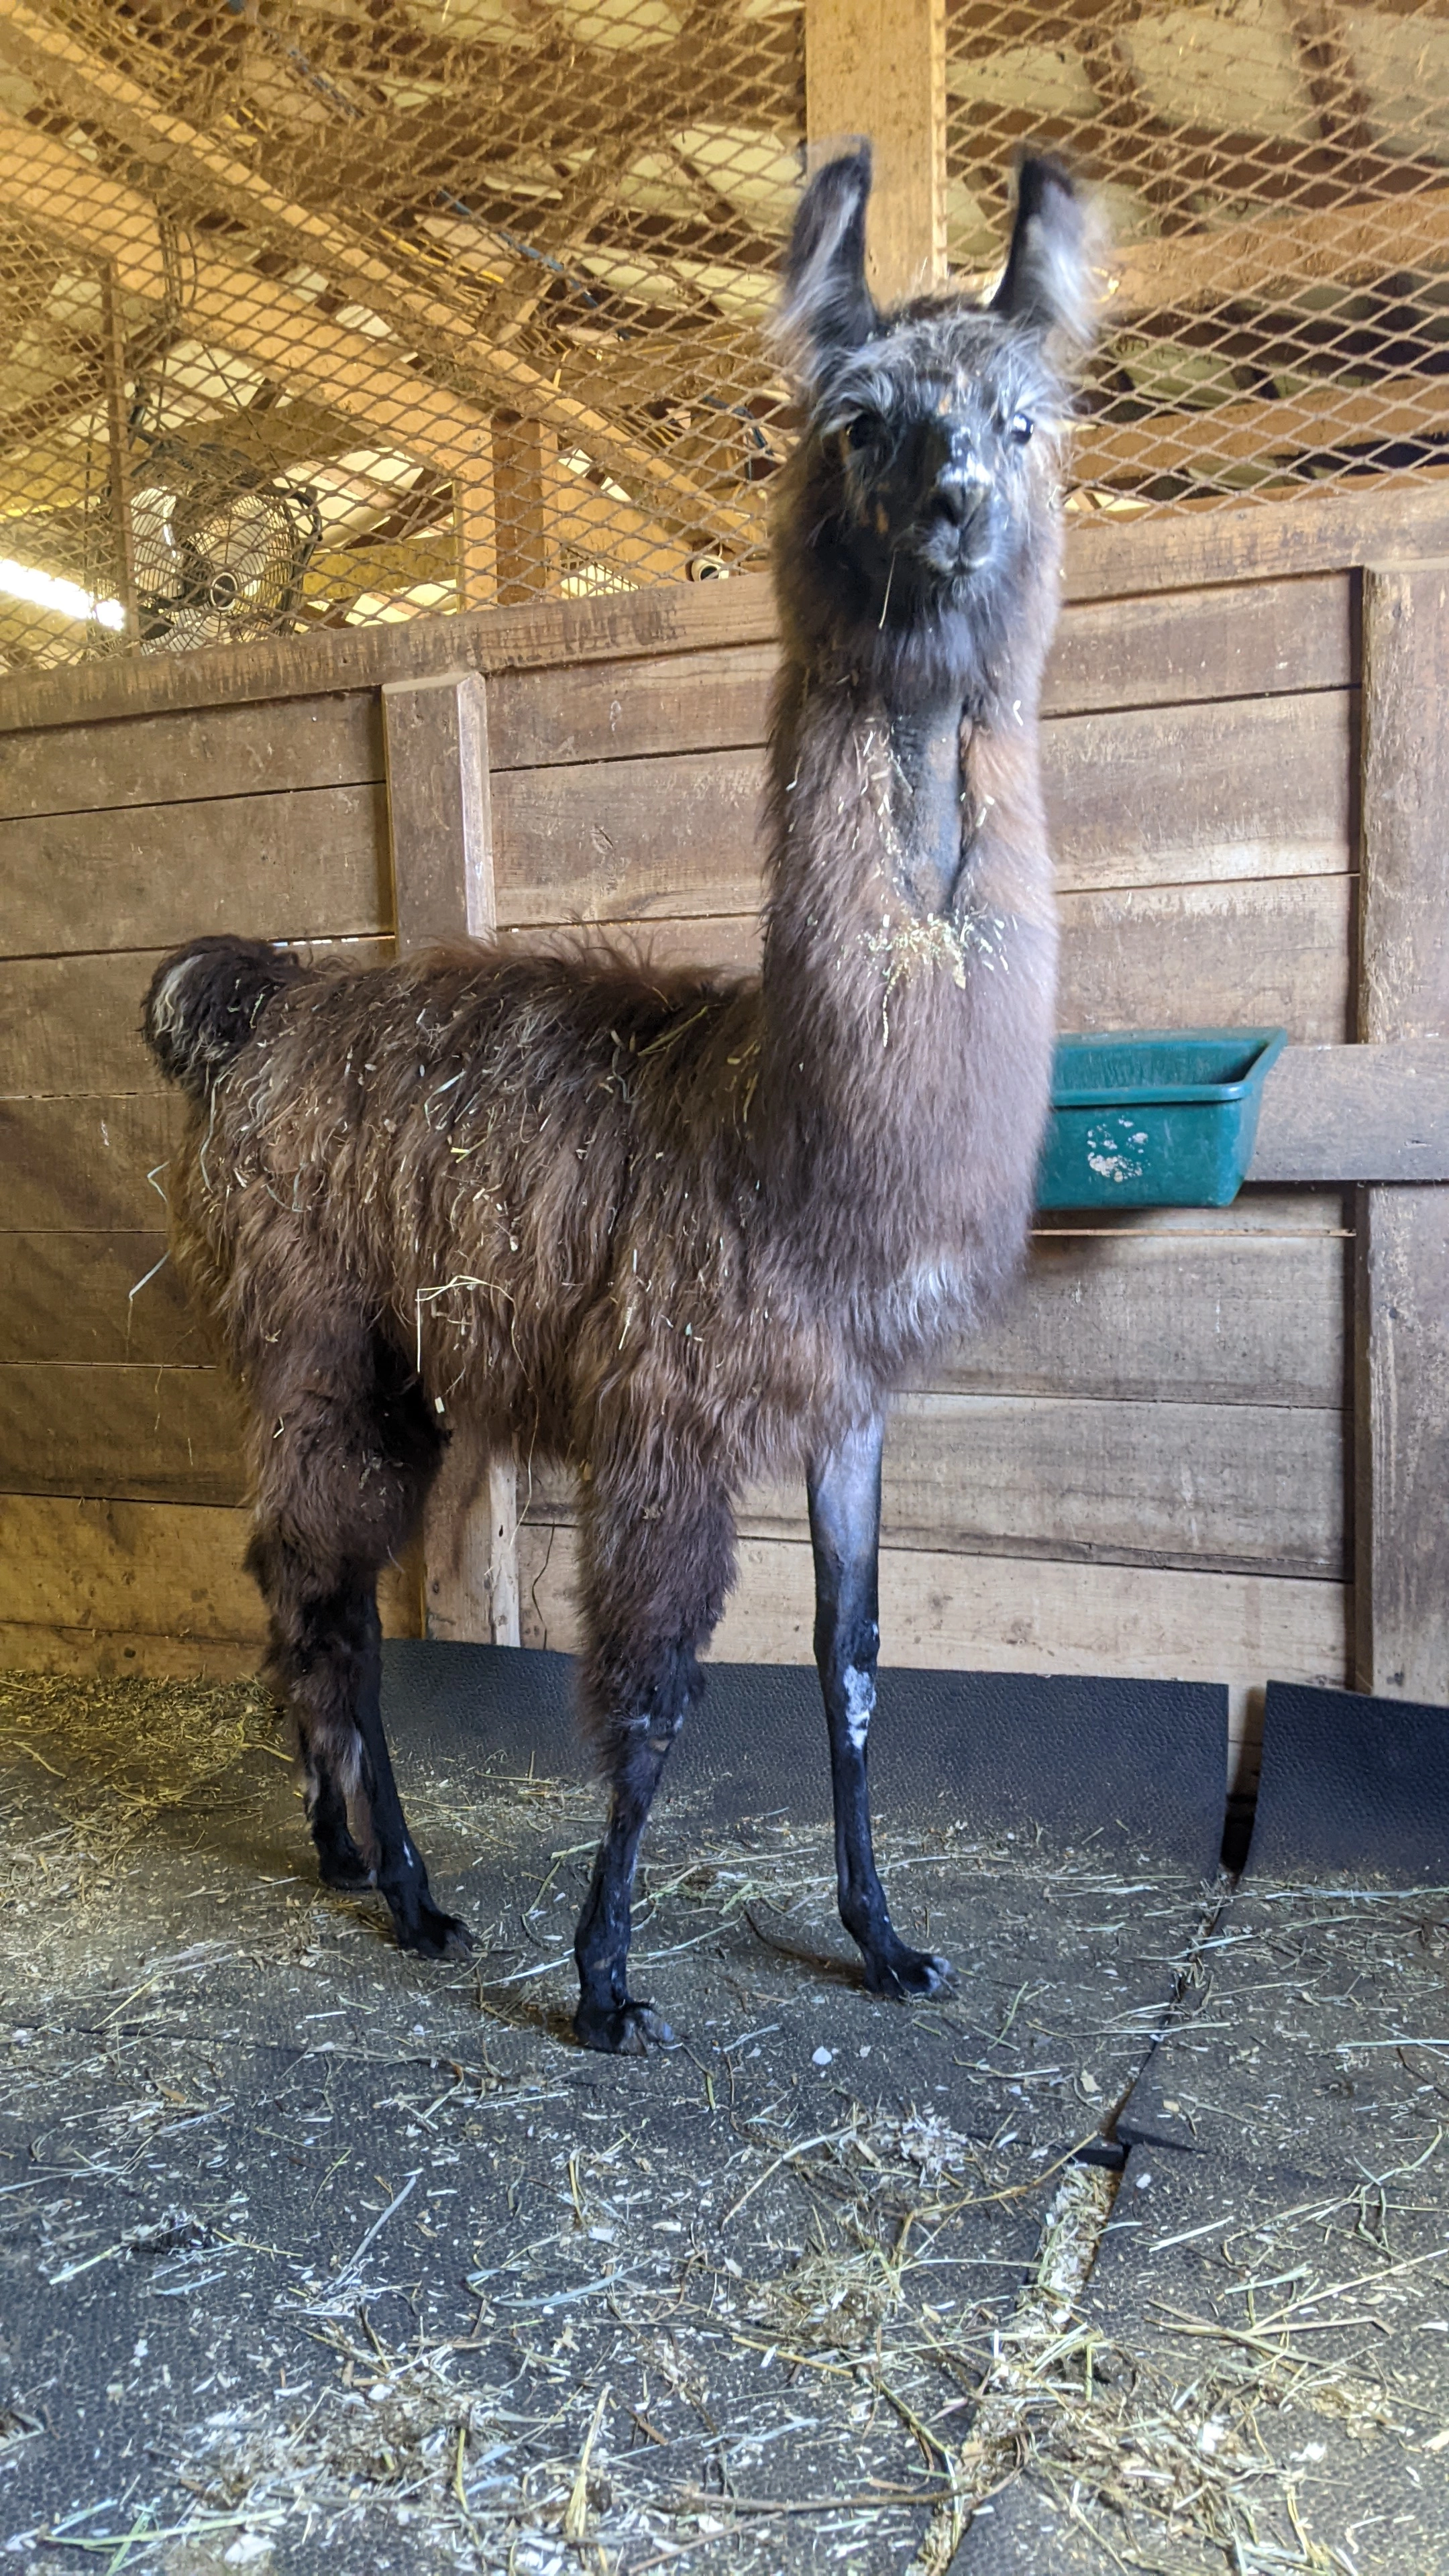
<point>336,310</point>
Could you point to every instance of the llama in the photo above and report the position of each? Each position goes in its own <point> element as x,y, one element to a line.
<point>678,1230</point>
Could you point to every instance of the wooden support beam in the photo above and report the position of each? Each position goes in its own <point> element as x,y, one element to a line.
<point>93,88</point>
<point>1401,1368</point>
<point>878,68</point>
<point>1274,253</point>
<point>1299,424</point>
<point>475,536</point>
<point>435,737</point>
<point>525,469</point>
<point>118,436</point>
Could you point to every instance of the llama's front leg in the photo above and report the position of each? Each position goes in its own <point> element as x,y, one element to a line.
<point>844,1488</point>
<point>656,1576</point>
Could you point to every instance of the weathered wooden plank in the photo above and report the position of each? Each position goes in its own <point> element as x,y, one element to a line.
<point>1254,953</point>
<point>618,840</point>
<point>1248,787</point>
<point>1256,639</point>
<point>115,1655</point>
<point>285,866</point>
<point>144,1433</point>
<point>1262,639</point>
<point>1245,787</point>
<point>72,1025</point>
<point>1356,1113</point>
<point>291,743</point>
<point>82,1165</point>
<point>1212,1318</point>
<point>79,1297</point>
<point>1153,1483</point>
<point>999,1614</point>
<point>440,816</point>
<point>1398,520</point>
<point>117,1571</point>
<point>1401,1411</point>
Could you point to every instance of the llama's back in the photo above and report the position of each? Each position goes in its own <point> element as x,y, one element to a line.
<point>520,1166</point>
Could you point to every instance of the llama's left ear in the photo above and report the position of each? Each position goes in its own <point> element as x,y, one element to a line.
<point>826,308</point>
<point>1050,278</point>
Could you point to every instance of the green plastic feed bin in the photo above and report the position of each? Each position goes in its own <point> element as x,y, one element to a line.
<point>1154,1117</point>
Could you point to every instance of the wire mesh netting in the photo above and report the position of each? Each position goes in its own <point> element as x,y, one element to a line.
<point>1274,178</point>
<point>336,311</point>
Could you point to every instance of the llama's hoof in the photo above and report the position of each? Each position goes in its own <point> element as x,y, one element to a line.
<point>623,2030</point>
<point>901,1972</point>
<point>434,1935</point>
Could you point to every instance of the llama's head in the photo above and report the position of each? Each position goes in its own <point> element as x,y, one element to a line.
<point>919,510</point>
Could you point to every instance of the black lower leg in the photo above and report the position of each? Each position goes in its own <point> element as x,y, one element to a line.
<point>341,1863</point>
<point>844,1488</point>
<point>608,2016</point>
<point>401,1875</point>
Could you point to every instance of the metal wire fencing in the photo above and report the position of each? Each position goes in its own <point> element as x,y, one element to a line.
<point>325,312</point>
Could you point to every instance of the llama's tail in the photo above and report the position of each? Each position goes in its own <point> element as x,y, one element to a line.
<point>205,1001</point>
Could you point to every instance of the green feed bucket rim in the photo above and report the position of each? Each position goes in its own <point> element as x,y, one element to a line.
<point>1147,1095</point>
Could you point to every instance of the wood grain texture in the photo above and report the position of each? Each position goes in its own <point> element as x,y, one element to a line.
<point>1207,1318</point>
<point>1151,1484</point>
<point>122,1655</point>
<point>117,1570</point>
<point>878,67</point>
<point>999,1614</point>
<point>72,1025</point>
<point>1238,788</point>
<point>82,1165</point>
<point>79,1297</point>
<point>301,742</point>
<point>1243,787</point>
<point>1404,917</point>
<point>1396,521</point>
<point>1255,953</point>
<point>137,1431</point>
<point>1401,1364</point>
<point>304,865</point>
<point>1258,640</point>
<point>440,816</point>
<point>1401,1444</point>
<point>1356,1113</point>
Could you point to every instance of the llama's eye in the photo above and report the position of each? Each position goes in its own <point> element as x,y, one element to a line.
<point>861,431</point>
<point>1022,426</point>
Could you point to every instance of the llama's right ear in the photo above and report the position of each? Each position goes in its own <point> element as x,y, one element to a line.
<point>826,307</point>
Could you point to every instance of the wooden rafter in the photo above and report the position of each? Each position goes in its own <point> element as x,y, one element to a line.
<point>1327,419</point>
<point>91,87</point>
<point>1236,263</point>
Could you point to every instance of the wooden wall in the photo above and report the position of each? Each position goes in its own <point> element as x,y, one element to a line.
<point>1141,1468</point>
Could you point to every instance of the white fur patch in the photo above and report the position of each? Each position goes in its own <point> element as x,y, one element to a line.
<point>859,1704</point>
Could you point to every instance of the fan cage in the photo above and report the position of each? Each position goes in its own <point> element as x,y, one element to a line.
<point>461,299</point>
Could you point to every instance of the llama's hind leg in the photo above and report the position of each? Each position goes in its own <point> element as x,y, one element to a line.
<point>342,1483</point>
<point>654,1591</point>
<point>844,1491</point>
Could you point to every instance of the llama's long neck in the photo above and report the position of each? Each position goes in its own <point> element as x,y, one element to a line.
<point>907,981</point>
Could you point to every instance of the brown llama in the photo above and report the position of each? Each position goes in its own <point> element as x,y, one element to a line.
<point>678,1230</point>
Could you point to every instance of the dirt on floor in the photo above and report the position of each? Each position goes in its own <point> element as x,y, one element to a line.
<point>310,2251</point>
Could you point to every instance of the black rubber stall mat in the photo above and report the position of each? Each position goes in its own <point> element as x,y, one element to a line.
<point>1351,1783</point>
<point>1125,1767</point>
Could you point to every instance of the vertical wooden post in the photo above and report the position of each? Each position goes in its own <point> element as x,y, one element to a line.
<point>1401,1363</point>
<point>525,459</point>
<point>475,534</point>
<point>435,735</point>
<point>119,446</point>
<point>878,68</point>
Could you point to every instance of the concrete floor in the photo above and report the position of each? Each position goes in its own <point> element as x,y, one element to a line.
<point>309,2251</point>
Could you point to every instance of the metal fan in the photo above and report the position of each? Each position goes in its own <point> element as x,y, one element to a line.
<point>220,551</point>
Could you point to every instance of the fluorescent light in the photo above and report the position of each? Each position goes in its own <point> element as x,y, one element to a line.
<point>44,590</point>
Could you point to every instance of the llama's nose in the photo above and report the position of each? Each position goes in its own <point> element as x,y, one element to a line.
<point>962,484</point>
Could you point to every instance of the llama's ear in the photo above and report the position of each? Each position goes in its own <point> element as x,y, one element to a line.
<point>1050,277</point>
<point>826,307</point>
